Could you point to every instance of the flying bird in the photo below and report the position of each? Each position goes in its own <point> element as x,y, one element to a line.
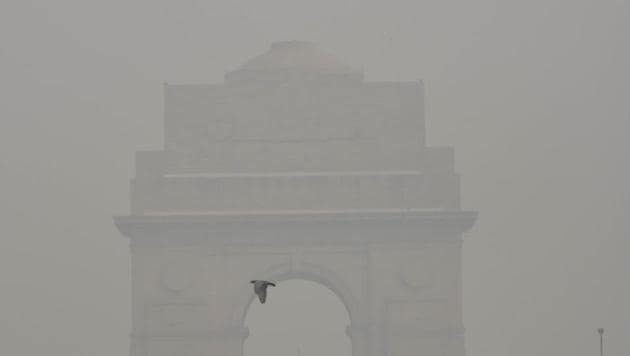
<point>260,288</point>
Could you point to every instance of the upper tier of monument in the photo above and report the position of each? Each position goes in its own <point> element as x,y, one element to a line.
<point>294,128</point>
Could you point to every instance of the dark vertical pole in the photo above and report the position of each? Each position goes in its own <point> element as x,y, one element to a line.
<point>601,341</point>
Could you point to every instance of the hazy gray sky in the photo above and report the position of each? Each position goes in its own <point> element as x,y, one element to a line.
<point>533,95</point>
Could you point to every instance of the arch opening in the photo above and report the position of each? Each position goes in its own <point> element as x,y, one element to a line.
<point>300,317</point>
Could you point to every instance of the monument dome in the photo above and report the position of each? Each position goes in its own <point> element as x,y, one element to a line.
<point>290,60</point>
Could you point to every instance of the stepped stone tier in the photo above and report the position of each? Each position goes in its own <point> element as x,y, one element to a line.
<point>296,167</point>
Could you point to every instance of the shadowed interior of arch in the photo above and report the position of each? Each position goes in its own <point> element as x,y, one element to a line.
<point>300,317</point>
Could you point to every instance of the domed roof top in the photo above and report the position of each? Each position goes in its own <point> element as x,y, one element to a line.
<point>293,56</point>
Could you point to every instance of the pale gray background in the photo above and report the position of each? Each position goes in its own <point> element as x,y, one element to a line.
<point>533,95</point>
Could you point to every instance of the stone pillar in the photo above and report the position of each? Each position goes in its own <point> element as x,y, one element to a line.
<point>411,341</point>
<point>361,337</point>
<point>228,341</point>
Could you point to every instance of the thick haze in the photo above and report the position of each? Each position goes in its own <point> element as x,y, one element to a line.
<point>533,95</point>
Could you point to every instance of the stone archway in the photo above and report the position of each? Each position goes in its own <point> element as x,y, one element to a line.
<point>370,261</point>
<point>318,273</point>
<point>301,317</point>
<point>306,271</point>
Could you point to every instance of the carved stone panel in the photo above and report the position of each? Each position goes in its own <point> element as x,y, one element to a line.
<point>177,318</point>
<point>177,276</point>
<point>166,347</point>
<point>426,314</point>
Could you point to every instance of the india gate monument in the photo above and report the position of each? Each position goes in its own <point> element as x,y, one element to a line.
<point>295,167</point>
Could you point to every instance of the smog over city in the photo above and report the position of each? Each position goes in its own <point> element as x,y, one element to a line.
<point>314,178</point>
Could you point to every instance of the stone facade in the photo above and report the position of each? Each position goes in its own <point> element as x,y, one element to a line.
<point>296,167</point>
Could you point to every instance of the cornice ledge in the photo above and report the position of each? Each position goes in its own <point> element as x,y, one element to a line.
<point>459,221</point>
<point>240,332</point>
